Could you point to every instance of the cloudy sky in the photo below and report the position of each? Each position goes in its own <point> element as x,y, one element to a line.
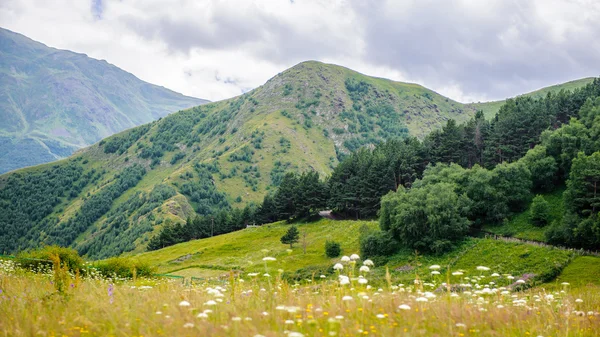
<point>469,50</point>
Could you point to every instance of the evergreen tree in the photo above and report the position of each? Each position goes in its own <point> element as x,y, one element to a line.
<point>581,223</point>
<point>565,143</point>
<point>286,196</point>
<point>291,236</point>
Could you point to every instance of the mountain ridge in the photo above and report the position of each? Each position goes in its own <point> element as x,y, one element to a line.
<point>56,101</point>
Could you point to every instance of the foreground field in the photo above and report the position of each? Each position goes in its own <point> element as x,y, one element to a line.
<point>266,306</point>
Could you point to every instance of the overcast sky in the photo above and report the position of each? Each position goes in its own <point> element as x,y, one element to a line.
<point>469,50</point>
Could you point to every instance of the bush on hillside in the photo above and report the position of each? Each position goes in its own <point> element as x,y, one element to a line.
<point>540,211</point>
<point>377,244</point>
<point>40,258</point>
<point>332,249</point>
<point>123,267</point>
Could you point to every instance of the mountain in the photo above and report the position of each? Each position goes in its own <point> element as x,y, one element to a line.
<point>113,196</point>
<point>54,102</point>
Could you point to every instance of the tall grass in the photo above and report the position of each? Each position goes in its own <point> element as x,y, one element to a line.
<point>482,305</point>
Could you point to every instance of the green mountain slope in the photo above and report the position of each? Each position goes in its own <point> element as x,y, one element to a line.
<point>110,197</point>
<point>113,196</point>
<point>213,257</point>
<point>491,108</point>
<point>53,102</point>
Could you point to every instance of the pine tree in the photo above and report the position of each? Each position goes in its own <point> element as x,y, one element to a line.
<point>291,236</point>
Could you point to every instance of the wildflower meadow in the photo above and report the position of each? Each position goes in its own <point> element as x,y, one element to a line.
<point>443,302</point>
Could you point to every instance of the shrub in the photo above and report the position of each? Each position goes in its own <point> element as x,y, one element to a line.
<point>42,258</point>
<point>540,212</point>
<point>378,243</point>
<point>332,249</point>
<point>123,267</point>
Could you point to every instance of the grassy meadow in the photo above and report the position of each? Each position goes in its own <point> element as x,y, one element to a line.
<point>247,283</point>
<point>480,303</point>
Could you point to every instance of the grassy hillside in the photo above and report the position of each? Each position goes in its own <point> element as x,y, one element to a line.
<point>582,271</point>
<point>491,108</point>
<point>244,250</point>
<point>54,102</point>
<point>218,155</point>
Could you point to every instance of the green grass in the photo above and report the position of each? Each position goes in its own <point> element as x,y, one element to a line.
<point>520,225</point>
<point>244,249</point>
<point>500,256</point>
<point>583,271</point>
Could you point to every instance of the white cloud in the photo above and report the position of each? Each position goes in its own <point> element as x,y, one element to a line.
<point>467,50</point>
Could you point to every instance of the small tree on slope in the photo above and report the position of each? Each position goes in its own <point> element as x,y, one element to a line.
<point>291,236</point>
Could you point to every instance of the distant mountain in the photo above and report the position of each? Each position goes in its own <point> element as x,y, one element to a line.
<point>53,102</point>
<point>113,196</point>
